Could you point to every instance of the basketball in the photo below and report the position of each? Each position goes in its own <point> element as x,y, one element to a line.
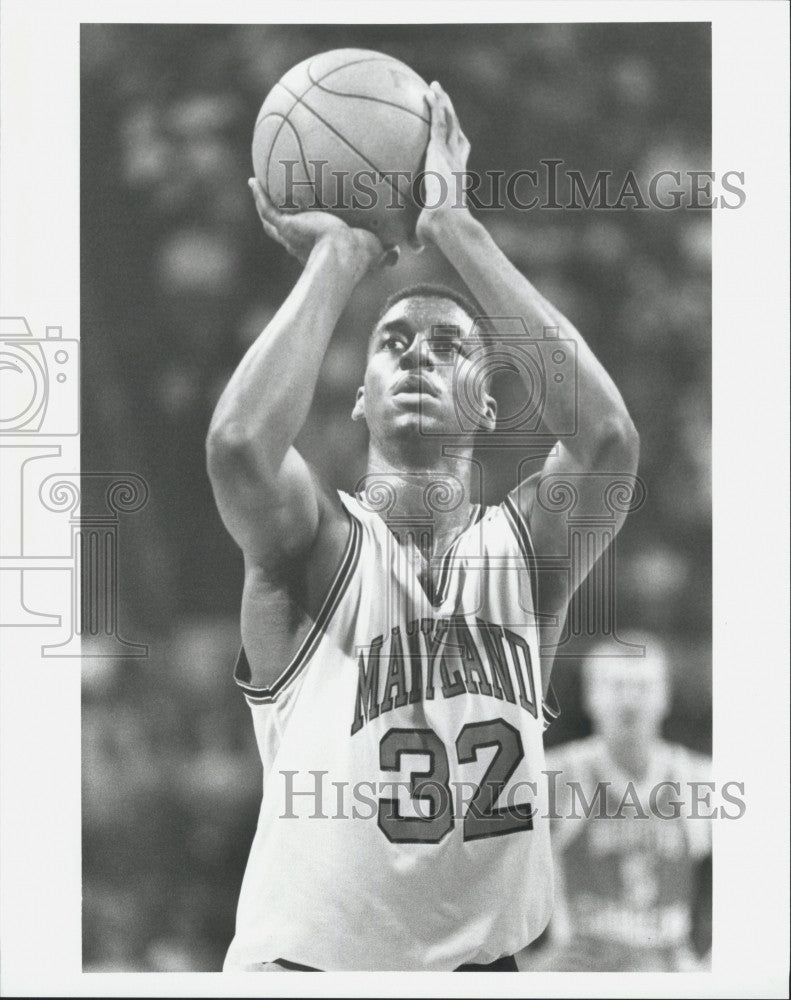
<point>346,132</point>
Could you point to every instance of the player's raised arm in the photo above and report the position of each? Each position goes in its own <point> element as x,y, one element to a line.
<point>263,488</point>
<point>605,438</point>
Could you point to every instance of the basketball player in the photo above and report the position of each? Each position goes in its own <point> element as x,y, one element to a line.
<point>395,677</point>
<point>628,872</point>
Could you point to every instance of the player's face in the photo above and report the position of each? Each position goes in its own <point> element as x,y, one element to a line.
<point>626,697</point>
<point>421,356</point>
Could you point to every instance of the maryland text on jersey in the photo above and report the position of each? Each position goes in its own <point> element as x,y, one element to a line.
<point>443,657</point>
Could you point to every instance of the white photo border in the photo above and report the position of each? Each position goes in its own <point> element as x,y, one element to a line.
<point>40,831</point>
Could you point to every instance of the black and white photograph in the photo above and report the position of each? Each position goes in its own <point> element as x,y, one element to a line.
<point>395,502</point>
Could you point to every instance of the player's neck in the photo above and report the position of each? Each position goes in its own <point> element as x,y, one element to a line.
<point>439,492</point>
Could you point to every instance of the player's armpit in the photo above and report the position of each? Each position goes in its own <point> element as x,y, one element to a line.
<point>285,597</point>
<point>567,496</point>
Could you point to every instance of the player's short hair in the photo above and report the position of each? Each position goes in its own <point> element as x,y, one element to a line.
<point>436,291</point>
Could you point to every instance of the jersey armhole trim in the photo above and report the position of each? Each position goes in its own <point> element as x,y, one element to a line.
<point>343,575</point>
<point>550,706</point>
<point>519,526</point>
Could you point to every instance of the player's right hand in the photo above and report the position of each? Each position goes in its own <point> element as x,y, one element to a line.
<point>300,232</point>
<point>446,160</point>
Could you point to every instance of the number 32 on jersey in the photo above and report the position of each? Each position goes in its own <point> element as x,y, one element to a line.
<point>431,789</point>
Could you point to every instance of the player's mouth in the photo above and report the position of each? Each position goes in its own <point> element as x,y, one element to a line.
<point>415,385</point>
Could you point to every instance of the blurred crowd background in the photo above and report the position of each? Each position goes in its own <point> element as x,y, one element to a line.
<point>177,281</point>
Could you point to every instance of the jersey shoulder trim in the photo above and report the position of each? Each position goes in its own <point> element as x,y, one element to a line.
<point>551,707</point>
<point>520,528</point>
<point>344,573</point>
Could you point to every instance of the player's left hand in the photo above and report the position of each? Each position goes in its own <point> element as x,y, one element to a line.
<point>446,159</point>
<point>300,232</point>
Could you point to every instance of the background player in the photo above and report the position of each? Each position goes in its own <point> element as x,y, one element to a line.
<point>408,891</point>
<point>628,889</point>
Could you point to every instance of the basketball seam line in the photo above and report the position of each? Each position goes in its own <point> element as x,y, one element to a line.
<point>363,97</point>
<point>314,83</point>
<point>351,146</point>
<point>296,101</point>
<point>299,143</point>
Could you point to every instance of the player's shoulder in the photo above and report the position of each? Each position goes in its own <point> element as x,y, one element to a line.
<point>523,495</point>
<point>505,530</point>
<point>366,514</point>
<point>351,502</point>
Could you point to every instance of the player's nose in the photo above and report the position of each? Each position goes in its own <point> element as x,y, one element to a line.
<point>417,354</point>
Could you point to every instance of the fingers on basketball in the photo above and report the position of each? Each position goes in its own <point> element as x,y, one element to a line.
<point>439,122</point>
<point>444,120</point>
<point>267,213</point>
<point>266,210</point>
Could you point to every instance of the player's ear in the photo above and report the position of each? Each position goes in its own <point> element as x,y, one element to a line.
<point>358,411</point>
<point>488,411</point>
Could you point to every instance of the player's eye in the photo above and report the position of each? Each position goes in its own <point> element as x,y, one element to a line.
<point>447,348</point>
<point>393,343</point>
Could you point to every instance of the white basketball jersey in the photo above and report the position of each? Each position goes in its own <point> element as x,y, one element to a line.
<point>404,816</point>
